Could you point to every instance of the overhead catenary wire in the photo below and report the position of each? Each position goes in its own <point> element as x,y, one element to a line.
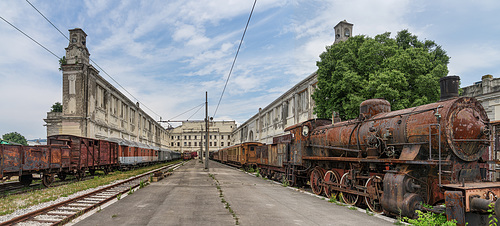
<point>32,39</point>
<point>47,19</point>
<point>197,106</point>
<point>236,56</point>
<point>142,104</point>
<point>195,112</point>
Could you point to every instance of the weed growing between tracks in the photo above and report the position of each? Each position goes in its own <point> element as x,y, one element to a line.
<point>226,204</point>
<point>11,203</point>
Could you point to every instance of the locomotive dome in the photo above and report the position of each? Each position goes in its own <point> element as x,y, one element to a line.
<point>371,107</point>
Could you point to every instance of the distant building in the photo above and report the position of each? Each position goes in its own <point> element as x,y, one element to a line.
<point>294,106</point>
<point>190,136</point>
<point>486,91</point>
<point>94,108</point>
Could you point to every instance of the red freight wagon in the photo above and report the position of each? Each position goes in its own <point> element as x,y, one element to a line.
<point>23,161</point>
<point>88,154</point>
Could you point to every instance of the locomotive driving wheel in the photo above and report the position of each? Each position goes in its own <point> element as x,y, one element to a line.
<point>47,179</point>
<point>316,180</point>
<point>374,189</point>
<point>349,184</point>
<point>333,177</point>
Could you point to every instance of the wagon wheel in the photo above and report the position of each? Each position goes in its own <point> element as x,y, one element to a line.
<point>316,180</point>
<point>61,176</point>
<point>347,183</point>
<point>80,175</point>
<point>106,171</point>
<point>47,180</point>
<point>333,177</point>
<point>374,189</point>
<point>26,180</point>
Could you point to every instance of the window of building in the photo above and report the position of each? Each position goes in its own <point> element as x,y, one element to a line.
<point>228,143</point>
<point>178,144</point>
<point>215,137</point>
<point>195,137</point>
<point>215,143</point>
<point>185,143</point>
<point>210,144</point>
<point>184,137</point>
<point>221,144</point>
<point>172,144</point>
<point>222,137</point>
<point>189,137</point>
<point>178,137</point>
<point>228,136</point>
<point>189,144</point>
<point>195,144</point>
<point>210,136</point>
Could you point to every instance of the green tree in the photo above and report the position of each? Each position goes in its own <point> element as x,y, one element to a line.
<point>402,70</point>
<point>15,137</point>
<point>57,107</point>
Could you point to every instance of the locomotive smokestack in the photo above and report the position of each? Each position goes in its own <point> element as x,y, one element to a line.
<point>449,86</point>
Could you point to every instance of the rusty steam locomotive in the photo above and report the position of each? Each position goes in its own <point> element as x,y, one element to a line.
<point>394,162</point>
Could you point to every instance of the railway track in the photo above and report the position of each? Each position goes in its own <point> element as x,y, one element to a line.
<point>14,188</point>
<point>65,211</point>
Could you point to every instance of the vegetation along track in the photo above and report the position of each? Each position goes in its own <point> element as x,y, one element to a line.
<point>63,212</point>
<point>14,188</point>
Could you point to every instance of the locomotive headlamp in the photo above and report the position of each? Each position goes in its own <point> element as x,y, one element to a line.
<point>305,131</point>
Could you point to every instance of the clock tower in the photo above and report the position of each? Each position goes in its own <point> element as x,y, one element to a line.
<point>78,86</point>
<point>343,30</point>
<point>77,51</point>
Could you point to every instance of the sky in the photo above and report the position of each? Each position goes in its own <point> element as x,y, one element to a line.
<point>167,54</point>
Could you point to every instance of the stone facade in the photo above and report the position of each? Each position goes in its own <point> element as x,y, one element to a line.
<point>94,108</point>
<point>486,91</point>
<point>294,106</point>
<point>343,31</point>
<point>191,135</point>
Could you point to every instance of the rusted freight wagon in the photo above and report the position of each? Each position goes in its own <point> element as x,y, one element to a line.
<point>88,154</point>
<point>272,158</point>
<point>24,161</point>
<point>240,155</point>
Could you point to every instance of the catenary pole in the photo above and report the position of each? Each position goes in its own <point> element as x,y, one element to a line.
<point>206,127</point>
<point>201,144</point>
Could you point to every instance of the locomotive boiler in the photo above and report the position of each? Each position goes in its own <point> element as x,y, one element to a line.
<point>398,162</point>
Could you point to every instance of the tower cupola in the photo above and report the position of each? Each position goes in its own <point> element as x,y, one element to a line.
<point>77,51</point>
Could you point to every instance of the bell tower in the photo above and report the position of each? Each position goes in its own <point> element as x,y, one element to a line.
<point>343,30</point>
<point>77,51</point>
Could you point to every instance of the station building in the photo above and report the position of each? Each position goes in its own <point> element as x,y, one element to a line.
<point>94,108</point>
<point>486,91</point>
<point>294,106</point>
<point>191,136</point>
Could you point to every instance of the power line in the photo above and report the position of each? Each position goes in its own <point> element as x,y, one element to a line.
<point>195,112</point>
<point>29,37</point>
<point>47,19</point>
<point>93,61</point>
<point>234,61</point>
<point>201,105</point>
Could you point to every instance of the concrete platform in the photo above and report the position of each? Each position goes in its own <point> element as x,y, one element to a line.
<point>190,197</point>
